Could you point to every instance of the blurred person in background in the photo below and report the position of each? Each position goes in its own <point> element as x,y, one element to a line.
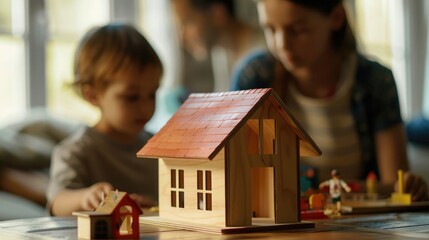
<point>213,39</point>
<point>347,103</point>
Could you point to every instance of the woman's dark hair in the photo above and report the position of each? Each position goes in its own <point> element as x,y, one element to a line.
<point>325,6</point>
<point>206,4</point>
<point>344,37</point>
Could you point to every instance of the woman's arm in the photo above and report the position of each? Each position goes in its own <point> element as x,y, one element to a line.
<point>391,153</point>
<point>392,156</point>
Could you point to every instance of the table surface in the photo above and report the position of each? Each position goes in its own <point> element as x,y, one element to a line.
<point>375,226</point>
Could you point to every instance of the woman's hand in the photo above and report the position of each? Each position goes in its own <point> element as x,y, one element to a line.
<point>416,186</point>
<point>143,201</point>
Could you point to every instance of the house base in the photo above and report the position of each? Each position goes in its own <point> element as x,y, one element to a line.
<point>313,215</point>
<point>259,225</point>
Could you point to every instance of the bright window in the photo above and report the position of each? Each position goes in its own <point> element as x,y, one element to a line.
<point>72,18</point>
<point>12,82</point>
<point>12,61</point>
<point>69,20</point>
<point>5,16</point>
<point>373,29</point>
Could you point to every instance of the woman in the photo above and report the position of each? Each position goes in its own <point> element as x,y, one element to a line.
<point>347,103</point>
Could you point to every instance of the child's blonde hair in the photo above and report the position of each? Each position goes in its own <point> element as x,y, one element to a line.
<point>105,51</point>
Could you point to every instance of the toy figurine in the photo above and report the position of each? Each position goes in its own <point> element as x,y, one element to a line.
<point>335,184</point>
<point>371,183</point>
<point>400,196</point>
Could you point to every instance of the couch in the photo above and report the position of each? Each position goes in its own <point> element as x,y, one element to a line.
<point>25,151</point>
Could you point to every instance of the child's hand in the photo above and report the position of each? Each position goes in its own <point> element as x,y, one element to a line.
<point>143,201</point>
<point>416,186</point>
<point>92,196</point>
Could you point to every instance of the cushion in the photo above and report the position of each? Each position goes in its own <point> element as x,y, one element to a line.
<point>418,130</point>
<point>28,143</point>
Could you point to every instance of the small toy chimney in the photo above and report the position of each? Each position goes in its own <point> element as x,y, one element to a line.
<point>116,195</point>
<point>102,199</point>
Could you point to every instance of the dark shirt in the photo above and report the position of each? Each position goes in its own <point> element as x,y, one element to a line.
<point>374,102</point>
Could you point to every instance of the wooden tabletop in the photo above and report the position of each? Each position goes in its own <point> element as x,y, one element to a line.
<point>378,226</point>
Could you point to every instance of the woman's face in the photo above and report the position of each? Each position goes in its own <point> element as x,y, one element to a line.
<point>298,37</point>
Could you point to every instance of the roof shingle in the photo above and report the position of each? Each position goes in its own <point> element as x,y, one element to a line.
<point>203,123</point>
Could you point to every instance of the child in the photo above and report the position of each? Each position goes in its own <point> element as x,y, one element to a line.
<point>117,71</point>
<point>347,103</point>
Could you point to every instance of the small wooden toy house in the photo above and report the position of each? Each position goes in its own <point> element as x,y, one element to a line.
<point>230,159</point>
<point>116,217</point>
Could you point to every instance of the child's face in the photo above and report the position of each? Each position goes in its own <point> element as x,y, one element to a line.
<point>298,37</point>
<point>128,102</point>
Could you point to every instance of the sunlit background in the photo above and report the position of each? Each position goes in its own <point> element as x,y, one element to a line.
<point>38,39</point>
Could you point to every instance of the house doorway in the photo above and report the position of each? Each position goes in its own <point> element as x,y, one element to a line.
<point>262,192</point>
<point>101,229</point>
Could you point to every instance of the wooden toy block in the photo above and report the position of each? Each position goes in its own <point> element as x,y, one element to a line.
<point>229,162</point>
<point>317,201</point>
<point>371,183</point>
<point>400,196</point>
<point>117,217</point>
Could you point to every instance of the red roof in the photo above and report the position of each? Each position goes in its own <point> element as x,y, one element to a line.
<point>110,204</point>
<point>204,122</point>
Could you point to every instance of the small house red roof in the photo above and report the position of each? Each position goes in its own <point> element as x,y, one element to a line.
<point>110,203</point>
<point>112,200</point>
<point>201,126</point>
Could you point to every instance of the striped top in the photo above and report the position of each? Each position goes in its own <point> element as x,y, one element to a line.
<point>374,99</point>
<point>330,123</point>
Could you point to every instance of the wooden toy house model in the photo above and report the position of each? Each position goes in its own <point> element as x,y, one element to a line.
<point>230,159</point>
<point>116,217</point>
